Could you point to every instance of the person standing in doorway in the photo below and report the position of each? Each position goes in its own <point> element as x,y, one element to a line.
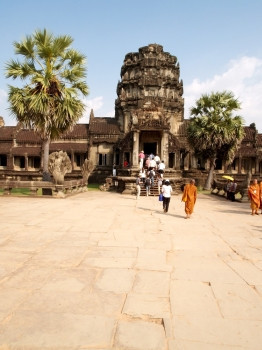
<point>166,190</point>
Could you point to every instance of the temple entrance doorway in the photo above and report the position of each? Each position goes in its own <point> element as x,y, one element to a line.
<point>150,147</point>
<point>150,142</point>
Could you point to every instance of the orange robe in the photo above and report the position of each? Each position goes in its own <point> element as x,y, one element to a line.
<point>189,197</point>
<point>260,191</point>
<point>254,196</point>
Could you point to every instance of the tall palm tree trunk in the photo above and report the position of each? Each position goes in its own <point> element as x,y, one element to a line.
<point>46,175</point>
<point>210,175</point>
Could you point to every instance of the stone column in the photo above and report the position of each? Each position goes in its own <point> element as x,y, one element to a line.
<point>239,165</point>
<point>73,159</point>
<point>164,148</point>
<point>26,161</point>
<point>135,148</point>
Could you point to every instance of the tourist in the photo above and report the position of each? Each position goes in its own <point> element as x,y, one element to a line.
<point>152,177</point>
<point>138,188</point>
<point>161,168</point>
<point>142,174</point>
<point>126,163</point>
<point>232,190</point>
<point>166,190</point>
<point>254,196</point>
<point>152,164</point>
<point>148,185</point>
<point>157,160</point>
<point>189,197</point>
<point>114,169</point>
<point>141,157</point>
<point>147,163</point>
<point>159,183</point>
<point>227,188</point>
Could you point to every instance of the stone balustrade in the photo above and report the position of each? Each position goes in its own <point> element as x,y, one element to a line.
<point>56,191</point>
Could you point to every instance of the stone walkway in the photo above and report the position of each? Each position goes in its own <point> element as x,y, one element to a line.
<point>105,271</point>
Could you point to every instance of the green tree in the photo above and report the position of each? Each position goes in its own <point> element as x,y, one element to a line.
<point>213,131</point>
<point>53,75</point>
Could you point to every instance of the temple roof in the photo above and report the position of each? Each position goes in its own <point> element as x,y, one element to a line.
<point>105,126</point>
<point>8,132</point>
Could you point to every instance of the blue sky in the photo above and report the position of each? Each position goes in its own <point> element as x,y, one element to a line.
<point>217,43</point>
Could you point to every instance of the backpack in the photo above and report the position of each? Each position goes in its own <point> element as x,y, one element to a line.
<point>148,182</point>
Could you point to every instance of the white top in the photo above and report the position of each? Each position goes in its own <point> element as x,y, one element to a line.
<point>166,190</point>
<point>161,166</point>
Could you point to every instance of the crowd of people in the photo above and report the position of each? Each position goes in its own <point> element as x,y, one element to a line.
<point>152,170</point>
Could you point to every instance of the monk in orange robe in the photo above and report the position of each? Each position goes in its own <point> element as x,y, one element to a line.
<point>260,192</point>
<point>189,197</point>
<point>254,196</point>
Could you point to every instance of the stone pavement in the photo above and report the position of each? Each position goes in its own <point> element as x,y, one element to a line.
<point>106,271</point>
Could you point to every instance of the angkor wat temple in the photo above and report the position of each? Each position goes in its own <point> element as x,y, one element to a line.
<point>149,116</point>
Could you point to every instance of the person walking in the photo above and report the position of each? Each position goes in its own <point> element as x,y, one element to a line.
<point>161,169</point>
<point>254,196</point>
<point>148,185</point>
<point>138,187</point>
<point>189,197</point>
<point>166,190</point>
<point>141,159</point>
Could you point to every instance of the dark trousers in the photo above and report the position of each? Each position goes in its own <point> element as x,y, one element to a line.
<point>166,202</point>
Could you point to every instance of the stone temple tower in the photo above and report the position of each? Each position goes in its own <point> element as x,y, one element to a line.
<point>150,103</point>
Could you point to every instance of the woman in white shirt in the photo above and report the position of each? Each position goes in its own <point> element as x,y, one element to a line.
<point>166,190</point>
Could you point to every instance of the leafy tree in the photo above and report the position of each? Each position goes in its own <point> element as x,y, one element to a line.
<point>213,131</point>
<point>54,76</point>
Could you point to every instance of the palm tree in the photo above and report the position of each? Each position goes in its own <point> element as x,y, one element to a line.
<point>54,76</point>
<point>213,131</point>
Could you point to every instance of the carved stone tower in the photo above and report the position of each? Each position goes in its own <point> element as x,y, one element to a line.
<point>150,103</point>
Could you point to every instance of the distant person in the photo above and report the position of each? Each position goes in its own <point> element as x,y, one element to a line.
<point>147,163</point>
<point>189,197</point>
<point>114,169</point>
<point>232,190</point>
<point>148,185</point>
<point>126,163</point>
<point>138,187</point>
<point>161,168</point>
<point>141,157</point>
<point>166,190</point>
<point>157,160</point>
<point>152,164</point>
<point>254,196</point>
<point>152,174</point>
<point>159,183</point>
<point>142,174</point>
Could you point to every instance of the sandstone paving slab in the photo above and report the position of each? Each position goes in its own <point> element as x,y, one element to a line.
<point>139,335</point>
<point>110,257</point>
<point>193,298</point>
<point>60,256</point>
<point>219,331</point>
<point>93,303</point>
<point>42,329</point>
<point>238,301</point>
<point>28,277</point>
<point>12,261</point>
<point>246,270</point>
<point>175,344</point>
<point>152,259</point>
<point>146,305</point>
<point>152,282</point>
<point>205,269</point>
<point>116,280</point>
<point>11,299</point>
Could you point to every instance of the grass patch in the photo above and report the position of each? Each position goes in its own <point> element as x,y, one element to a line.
<point>93,187</point>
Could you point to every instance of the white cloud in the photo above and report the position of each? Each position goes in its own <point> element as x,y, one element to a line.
<point>95,104</point>
<point>244,78</point>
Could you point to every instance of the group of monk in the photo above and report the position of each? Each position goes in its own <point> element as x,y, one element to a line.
<point>255,196</point>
